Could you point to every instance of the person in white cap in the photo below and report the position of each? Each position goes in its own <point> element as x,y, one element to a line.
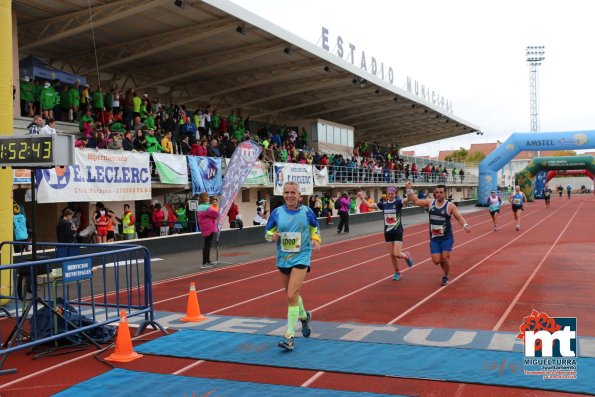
<point>261,212</point>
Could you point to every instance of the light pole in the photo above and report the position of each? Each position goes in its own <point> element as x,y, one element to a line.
<point>534,55</point>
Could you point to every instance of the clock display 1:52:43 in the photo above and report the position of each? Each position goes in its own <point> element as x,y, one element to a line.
<point>26,150</point>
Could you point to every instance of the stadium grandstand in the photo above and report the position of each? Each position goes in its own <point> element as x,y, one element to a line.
<point>219,74</point>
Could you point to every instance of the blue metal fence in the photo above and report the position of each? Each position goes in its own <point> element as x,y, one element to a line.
<point>94,281</point>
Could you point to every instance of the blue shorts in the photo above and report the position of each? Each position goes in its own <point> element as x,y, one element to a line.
<point>440,245</point>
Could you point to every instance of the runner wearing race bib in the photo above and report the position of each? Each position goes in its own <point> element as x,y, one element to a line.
<point>441,235</point>
<point>494,203</point>
<point>393,228</point>
<point>295,229</point>
<point>547,195</point>
<point>517,200</point>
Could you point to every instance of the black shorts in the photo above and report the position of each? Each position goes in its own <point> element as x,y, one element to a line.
<point>515,208</point>
<point>393,237</point>
<point>547,198</point>
<point>110,234</point>
<point>494,212</point>
<point>287,270</point>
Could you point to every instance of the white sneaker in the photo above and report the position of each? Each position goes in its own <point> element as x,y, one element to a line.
<point>518,227</point>
<point>207,265</point>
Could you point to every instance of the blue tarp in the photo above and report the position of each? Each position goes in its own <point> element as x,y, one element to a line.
<point>32,66</point>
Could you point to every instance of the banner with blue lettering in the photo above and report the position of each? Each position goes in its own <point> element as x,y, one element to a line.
<point>300,173</point>
<point>206,174</point>
<point>98,175</point>
<point>242,161</point>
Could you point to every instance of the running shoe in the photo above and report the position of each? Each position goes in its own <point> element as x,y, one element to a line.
<point>517,227</point>
<point>444,280</point>
<point>286,343</point>
<point>495,228</point>
<point>338,231</point>
<point>306,329</point>
<point>207,265</point>
<point>409,260</point>
<point>397,276</point>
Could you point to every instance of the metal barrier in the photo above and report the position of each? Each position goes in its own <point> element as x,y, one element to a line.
<point>93,280</point>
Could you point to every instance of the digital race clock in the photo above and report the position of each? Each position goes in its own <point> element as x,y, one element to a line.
<point>28,151</point>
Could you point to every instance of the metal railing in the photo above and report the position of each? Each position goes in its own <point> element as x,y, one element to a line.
<point>94,281</point>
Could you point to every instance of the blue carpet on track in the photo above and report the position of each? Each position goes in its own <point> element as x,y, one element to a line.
<point>122,382</point>
<point>406,361</point>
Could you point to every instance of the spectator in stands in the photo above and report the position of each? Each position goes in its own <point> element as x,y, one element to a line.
<point>35,126</point>
<point>27,90</point>
<point>189,129</point>
<point>234,221</point>
<point>49,128</point>
<point>81,143</point>
<point>137,124</point>
<point>127,143</point>
<point>97,98</point>
<point>149,121</point>
<point>136,105</point>
<point>213,149</point>
<point>47,100</point>
<point>462,175</point>
<point>115,142</point>
<point>185,147</point>
<point>145,226</point>
<point>166,143</point>
<point>74,99</point>
<point>62,110</point>
<point>139,142</point>
<point>20,228</point>
<point>199,148</point>
<point>85,118</point>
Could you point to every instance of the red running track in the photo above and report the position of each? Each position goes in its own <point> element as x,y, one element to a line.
<point>496,279</point>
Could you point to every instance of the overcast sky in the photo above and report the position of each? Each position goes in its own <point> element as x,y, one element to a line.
<point>471,52</point>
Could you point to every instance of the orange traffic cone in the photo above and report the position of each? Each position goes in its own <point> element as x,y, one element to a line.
<point>124,352</point>
<point>193,309</point>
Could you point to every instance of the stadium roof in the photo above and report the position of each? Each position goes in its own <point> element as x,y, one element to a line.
<point>214,52</point>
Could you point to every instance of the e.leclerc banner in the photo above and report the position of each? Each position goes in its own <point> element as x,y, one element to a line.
<point>300,173</point>
<point>241,162</point>
<point>206,174</point>
<point>172,168</point>
<point>98,175</point>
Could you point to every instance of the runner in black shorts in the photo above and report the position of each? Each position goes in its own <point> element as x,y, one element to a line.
<point>547,194</point>
<point>393,228</point>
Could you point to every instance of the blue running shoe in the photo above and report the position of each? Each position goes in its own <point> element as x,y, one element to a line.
<point>409,260</point>
<point>397,276</point>
<point>287,344</point>
<point>306,328</point>
<point>444,280</point>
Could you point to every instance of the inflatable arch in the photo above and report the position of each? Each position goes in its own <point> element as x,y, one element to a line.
<point>517,142</point>
<point>525,177</point>
<point>552,174</point>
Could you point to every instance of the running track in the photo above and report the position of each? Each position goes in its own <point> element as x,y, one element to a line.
<point>496,279</point>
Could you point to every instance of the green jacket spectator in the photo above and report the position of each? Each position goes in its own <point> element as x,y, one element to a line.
<point>149,122</point>
<point>47,97</point>
<point>28,90</point>
<point>116,126</point>
<point>65,99</point>
<point>97,97</point>
<point>152,144</point>
<point>108,101</point>
<point>85,118</point>
<point>74,97</point>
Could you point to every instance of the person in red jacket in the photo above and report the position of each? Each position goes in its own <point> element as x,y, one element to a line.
<point>157,218</point>
<point>233,213</point>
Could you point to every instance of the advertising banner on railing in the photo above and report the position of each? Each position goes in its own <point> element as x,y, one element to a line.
<point>206,174</point>
<point>172,168</point>
<point>98,175</point>
<point>300,173</point>
<point>259,174</point>
<point>321,176</point>
<point>242,161</point>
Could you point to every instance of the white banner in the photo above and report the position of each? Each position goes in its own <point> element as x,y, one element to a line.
<point>172,168</point>
<point>300,173</point>
<point>259,174</point>
<point>321,176</point>
<point>98,175</point>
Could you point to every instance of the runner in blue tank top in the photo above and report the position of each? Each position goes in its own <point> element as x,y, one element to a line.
<point>393,228</point>
<point>295,229</point>
<point>441,236</point>
<point>518,199</point>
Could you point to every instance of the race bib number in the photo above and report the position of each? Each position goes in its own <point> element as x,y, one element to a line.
<point>516,201</point>
<point>437,230</point>
<point>391,220</point>
<point>291,241</point>
<point>494,207</point>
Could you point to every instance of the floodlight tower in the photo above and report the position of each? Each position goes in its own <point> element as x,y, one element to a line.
<point>535,55</point>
